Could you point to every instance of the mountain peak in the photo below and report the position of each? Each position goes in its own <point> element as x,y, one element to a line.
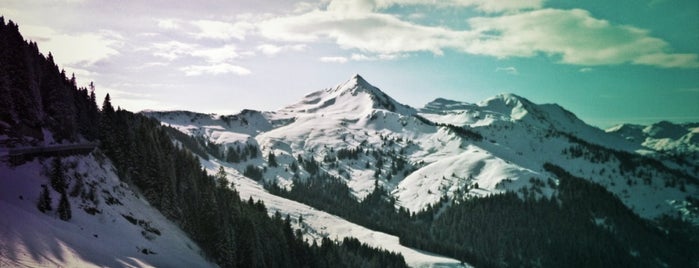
<point>349,96</point>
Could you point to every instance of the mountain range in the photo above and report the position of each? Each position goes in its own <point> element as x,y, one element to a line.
<point>345,177</point>
<point>499,144</point>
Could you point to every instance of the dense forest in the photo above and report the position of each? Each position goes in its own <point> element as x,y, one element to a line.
<point>36,97</point>
<point>582,225</point>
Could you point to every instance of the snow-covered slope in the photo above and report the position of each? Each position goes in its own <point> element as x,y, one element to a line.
<point>317,224</point>
<point>111,226</point>
<point>449,149</point>
<point>664,137</point>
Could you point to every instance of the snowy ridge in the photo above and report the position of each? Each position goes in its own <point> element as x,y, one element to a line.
<point>663,136</point>
<point>443,160</point>
<point>99,234</point>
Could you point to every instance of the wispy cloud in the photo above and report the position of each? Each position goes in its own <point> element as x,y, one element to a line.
<point>271,50</point>
<point>508,70</point>
<point>215,69</point>
<point>221,30</point>
<point>334,59</point>
<point>574,36</point>
<point>483,5</point>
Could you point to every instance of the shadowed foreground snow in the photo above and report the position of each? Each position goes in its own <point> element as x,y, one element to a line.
<point>106,239</point>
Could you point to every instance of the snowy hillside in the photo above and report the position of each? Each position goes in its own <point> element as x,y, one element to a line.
<point>111,225</point>
<point>449,149</point>
<point>317,224</point>
<point>665,137</point>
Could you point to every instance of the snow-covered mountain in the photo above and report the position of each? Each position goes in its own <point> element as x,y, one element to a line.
<point>448,149</point>
<point>681,140</point>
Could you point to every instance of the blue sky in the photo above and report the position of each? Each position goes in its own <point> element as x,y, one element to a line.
<point>606,61</point>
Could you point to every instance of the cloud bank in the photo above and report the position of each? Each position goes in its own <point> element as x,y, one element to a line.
<point>520,29</point>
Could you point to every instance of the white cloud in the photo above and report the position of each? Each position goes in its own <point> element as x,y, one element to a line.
<point>171,50</point>
<point>371,32</point>
<point>79,48</point>
<point>168,24</point>
<point>217,55</point>
<point>574,36</point>
<point>570,36</point>
<point>508,70</point>
<point>364,57</point>
<point>220,30</point>
<point>585,70</point>
<point>215,69</point>
<point>271,50</point>
<point>334,59</point>
<point>483,5</point>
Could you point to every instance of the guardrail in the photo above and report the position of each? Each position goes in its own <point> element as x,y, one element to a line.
<point>21,154</point>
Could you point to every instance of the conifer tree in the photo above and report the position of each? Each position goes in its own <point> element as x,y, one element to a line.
<point>272,160</point>
<point>221,177</point>
<point>64,212</point>
<point>58,180</point>
<point>44,203</point>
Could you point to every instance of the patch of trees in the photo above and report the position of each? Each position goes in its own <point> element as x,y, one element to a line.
<point>253,172</point>
<point>464,131</point>
<point>237,154</point>
<point>510,230</point>
<point>629,163</point>
<point>35,94</point>
<point>192,144</point>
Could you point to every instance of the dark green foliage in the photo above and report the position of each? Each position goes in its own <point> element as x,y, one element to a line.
<point>187,141</point>
<point>272,160</point>
<point>310,165</point>
<point>44,203</point>
<point>35,94</point>
<point>253,172</point>
<point>464,131</point>
<point>64,212</point>
<point>58,178</point>
<point>221,177</point>
<point>424,120</point>
<point>236,155</point>
<point>349,153</point>
<point>628,162</point>
<point>507,230</point>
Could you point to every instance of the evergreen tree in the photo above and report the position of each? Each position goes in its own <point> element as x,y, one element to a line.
<point>58,180</point>
<point>64,212</point>
<point>44,203</point>
<point>272,160</point>
<point>221,177</point>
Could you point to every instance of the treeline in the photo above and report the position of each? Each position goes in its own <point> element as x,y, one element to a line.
<point>35,94</point>
<point>232,232</point>
<point>583,225</point>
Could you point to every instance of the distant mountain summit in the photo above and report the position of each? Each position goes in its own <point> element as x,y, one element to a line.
<point>356,95</point>
<point>670,139</point>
